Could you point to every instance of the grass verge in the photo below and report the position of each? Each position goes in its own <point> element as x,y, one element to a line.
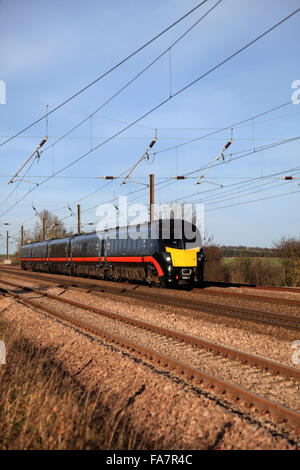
<point>43,407</point>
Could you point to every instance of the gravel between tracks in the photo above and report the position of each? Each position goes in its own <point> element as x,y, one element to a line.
<point>218,329</point>
<point>281,390</point>
<point>172,415</point>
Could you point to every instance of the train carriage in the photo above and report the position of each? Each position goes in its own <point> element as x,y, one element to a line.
<point>39,252</point>
<point>162,253</point>
<point>58,255</point>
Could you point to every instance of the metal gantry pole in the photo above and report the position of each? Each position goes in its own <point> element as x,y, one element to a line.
<point>151,188</point>
<point>78,219</point>
<point>44,228</point>
<point>22,235</point>
<point>7,237</point>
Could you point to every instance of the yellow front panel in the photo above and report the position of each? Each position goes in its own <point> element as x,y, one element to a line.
<point>183,258</point>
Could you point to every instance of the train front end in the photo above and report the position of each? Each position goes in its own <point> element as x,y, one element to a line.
<point>183,253</point>
<point>186,265</point>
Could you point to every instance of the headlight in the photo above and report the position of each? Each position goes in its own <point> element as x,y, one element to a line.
<point>167,257</point>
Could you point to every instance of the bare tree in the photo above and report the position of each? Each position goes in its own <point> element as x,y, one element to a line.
<point>54,227</point>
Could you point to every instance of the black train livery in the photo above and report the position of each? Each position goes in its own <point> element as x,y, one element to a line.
<point>165,252</point>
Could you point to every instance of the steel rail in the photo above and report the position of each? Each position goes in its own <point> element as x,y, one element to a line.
<point>225,351</point>
<point>217,384</point>
<point>242,313</point>
<point>242,295</point>
<point>251,286</point>
<point>227,284</point>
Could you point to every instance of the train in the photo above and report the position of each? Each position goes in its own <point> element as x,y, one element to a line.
<point>165,253</point>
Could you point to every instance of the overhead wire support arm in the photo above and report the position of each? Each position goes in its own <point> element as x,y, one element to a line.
<point>26,181</point>
<point>114,67</point>
<point>28,159</point>
<point>137,182</point>
<point>72,213</point>
<point>221,154</point>
<point>190,84</point>
<point>139,161</point>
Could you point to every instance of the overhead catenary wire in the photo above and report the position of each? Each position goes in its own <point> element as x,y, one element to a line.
<point>221,154</point>
<point>171,179</point>
<point>161,129</point>
<point>139,49</point>
<point>163,102</point>
<point>266,186</point>
<point>250,181</point>
<point>121,89</point>
<point>257,150</point>
<point>187,196</point>
<point>162,184</point>
<point>231,188</point>
<point>255,200</point>
<point>36,151</point>
<point>90,116</point>
<point>234,125</point>
<point>250,151</point>
<point>139,160</point>
<point>218,129</point>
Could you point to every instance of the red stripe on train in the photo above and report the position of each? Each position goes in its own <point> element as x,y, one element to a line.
<point>116,259</point>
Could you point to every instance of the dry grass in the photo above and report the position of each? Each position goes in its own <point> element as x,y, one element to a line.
<point>43,407</point>
<point>256,271</point>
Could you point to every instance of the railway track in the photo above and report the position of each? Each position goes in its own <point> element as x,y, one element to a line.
<point>207,289</point>
<point>159,298</point>
<point>228,284</point>
<point>251,286</point>
<point>252,297</point>
<point>199,350</point>
<point>223,285</point>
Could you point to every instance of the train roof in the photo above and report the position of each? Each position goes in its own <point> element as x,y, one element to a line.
<point>156,225</point>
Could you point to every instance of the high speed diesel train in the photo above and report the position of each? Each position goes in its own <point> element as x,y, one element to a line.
<point>164,253</point>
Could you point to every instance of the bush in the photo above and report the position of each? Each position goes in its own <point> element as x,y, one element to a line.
<point>255,271</point>
<point>288,249</point>
<point>214,269</point>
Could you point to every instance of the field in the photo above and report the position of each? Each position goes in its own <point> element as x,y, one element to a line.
<point>246,268</point>
<point>268,261</point>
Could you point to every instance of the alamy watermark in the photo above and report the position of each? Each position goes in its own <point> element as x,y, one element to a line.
<point>2,92</point>
<point>2,353</point>
<point>122,215</point>
<point>296,93</point>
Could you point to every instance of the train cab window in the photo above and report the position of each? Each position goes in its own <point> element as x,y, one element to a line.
<point>175,243</point>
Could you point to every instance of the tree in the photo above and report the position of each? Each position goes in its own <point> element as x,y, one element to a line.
<point>288,250</point>
<point>54,227</point>
<point>214,269</point>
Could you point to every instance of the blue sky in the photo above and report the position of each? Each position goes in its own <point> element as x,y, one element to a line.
<point>50,50</point>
